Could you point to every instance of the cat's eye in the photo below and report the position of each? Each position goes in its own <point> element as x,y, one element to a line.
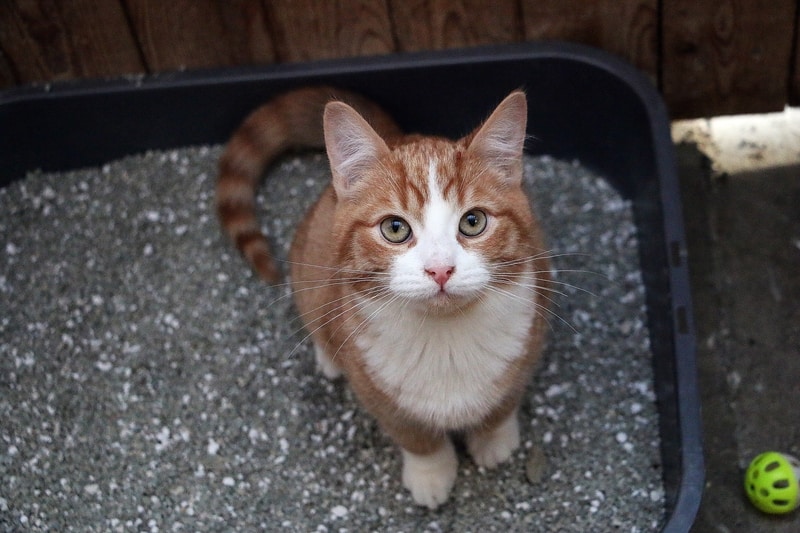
<point>472,223</point>
<point>395,230</point>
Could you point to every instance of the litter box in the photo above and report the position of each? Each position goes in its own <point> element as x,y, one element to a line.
<point>583,104</point>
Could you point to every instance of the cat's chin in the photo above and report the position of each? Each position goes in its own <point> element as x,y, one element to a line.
<point>446,303</point>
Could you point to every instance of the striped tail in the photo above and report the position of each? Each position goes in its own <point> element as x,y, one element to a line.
<point>292,120</point>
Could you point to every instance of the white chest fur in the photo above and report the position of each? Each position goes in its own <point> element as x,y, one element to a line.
<point>445,370</point>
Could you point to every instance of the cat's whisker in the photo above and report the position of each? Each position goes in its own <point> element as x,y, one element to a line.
<point>547,254</point>
<point>573,287</point>
<point>325,319</point>
<point>312,285</point>
<point>336,270</point>
<point>511,277</point>
<point>544,310</point>
<point>547,287</point>
<point>338,303</point>
<point>508,294</point>
<point>364,322</point>
<point>341,306</point>
<point>529,284</point>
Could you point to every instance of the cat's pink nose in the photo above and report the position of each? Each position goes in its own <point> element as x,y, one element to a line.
<point>440,274</point>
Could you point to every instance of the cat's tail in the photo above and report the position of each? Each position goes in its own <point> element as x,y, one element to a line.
<point>291,120</point>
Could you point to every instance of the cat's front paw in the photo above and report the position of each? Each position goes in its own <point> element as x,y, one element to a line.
<point>490,448</point>
<point>430,477</point>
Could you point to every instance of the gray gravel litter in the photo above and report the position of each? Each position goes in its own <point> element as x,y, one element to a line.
<point>149,382</point>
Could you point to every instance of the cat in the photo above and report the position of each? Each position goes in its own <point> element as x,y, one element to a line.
<point>420,272</point>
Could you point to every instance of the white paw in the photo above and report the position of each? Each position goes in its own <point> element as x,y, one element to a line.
<point>325,364</point>
<point>492,448</point>
<point>430,477</point>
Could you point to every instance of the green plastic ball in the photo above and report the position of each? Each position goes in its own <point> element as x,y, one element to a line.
<point>771,482</point>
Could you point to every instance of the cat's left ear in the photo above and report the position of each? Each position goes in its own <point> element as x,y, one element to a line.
<point>501,139</point>
<point>353,147</point>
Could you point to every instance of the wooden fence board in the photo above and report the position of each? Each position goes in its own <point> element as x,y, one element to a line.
<point>45,40</point>
<point>794,81</point>
<point>708,57</point>
<point>246,25</point>
<point>316,29</point>
<point>7,77</point>
<point>200,33</point>
<point>628,28</point>
<point>439,24</point>
<point>726,56</point>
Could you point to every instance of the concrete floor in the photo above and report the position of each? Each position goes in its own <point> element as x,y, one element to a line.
<point>744,244</point>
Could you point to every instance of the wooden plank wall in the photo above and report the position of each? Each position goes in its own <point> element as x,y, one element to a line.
<point>708,57</point>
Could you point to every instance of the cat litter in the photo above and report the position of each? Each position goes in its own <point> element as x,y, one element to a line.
<point>149,381</point>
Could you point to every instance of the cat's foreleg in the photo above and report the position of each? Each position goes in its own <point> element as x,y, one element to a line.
<point>430,463</point>
<point>491,446</point>
<point>325,364</point>
<point>430,477</point>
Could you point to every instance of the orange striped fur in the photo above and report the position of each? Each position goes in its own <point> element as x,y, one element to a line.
<point>420,274</point>
<point>292,120</point>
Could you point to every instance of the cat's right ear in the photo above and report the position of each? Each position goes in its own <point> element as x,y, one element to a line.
<point>500,141</point>
<point>353,147</point>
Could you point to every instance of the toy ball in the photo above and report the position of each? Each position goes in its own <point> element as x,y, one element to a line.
<point>771,482</point>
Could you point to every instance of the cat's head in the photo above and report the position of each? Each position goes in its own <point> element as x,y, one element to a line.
<point>434,222</point>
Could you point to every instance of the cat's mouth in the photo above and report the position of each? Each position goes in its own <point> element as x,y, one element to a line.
<point>445,301</point>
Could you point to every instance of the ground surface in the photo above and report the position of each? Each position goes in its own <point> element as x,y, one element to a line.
<point>744,250</point>
<point>744,245</point>
<point>148,382</point>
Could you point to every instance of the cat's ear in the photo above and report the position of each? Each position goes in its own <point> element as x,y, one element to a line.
<point>501,139</point>
<point>353,147</point>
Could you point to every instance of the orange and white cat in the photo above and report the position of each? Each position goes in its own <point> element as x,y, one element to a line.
<point>419,273</point>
